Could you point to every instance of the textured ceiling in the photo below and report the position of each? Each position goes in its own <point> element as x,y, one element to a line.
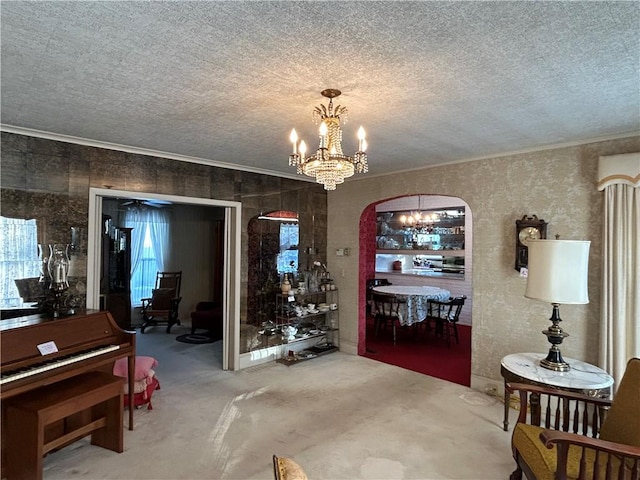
<point>432,82</point>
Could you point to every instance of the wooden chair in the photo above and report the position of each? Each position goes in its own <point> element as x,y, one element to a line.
<point>386,311</point>
<point>286,469</point>
<point>576,436</point>
<point>444,315</point>
<point>163,303</point>
<point>371,284</point>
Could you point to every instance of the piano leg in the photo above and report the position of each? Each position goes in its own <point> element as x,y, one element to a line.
<point>131,367</point>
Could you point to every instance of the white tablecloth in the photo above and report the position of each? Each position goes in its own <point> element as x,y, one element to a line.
<point>415,308</point>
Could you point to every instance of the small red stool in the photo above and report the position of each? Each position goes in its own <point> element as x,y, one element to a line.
<point>145,380</point>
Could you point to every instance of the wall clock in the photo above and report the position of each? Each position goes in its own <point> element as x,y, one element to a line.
<point>527,228</point>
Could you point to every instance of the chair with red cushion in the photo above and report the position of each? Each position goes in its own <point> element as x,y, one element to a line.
<point>207,315</point>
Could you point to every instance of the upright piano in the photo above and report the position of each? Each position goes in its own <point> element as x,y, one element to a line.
<point>36,351</point>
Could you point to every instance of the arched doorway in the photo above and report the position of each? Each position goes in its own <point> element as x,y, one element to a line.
<point>418,351</point>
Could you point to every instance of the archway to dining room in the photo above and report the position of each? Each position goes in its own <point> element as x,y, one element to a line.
<point>421,244</point>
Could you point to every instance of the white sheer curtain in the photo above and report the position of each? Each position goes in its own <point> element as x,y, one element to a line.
<point>150,225</point>
<point>136,218</point>
<point>619,177</point>
<point>159,231</point>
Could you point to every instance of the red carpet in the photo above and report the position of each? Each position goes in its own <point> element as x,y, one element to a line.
<point>424,354</point>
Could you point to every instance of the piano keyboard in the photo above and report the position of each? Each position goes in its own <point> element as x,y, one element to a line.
<point>57,363</point>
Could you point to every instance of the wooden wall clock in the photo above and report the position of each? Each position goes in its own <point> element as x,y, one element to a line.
<point>527,228</point>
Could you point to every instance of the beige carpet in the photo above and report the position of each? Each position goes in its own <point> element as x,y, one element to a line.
<point>340,416</point>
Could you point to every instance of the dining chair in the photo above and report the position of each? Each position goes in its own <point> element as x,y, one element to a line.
<point>386,311</point>
<point>371,284</point>
<point>444,315</point>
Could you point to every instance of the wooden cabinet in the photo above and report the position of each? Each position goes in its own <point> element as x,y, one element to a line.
<point>115,284</point>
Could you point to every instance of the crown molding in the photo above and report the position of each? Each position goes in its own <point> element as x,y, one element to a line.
<point>232,166</point>
<point>144,151</point>
<point>575,143</point>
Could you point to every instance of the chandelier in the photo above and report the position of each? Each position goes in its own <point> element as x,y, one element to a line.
<point>329,165</point>
<point>423,223</point>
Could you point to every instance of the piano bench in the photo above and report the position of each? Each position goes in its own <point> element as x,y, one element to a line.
<point>57,415</point>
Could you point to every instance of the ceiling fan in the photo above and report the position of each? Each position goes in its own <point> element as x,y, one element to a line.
<point>136,203</point>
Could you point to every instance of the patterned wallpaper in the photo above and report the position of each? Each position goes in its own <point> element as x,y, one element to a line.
<point>558,185</point>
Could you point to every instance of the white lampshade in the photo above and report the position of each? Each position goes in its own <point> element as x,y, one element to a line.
<point>558,271</point>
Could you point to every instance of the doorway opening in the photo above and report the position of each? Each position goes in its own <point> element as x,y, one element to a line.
<point>230,270</point>
<point>392,249</point>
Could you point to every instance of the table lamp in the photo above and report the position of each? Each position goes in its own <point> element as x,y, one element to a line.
<point>557,274</point>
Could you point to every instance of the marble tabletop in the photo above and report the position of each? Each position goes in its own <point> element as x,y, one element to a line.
<point>581,375</point>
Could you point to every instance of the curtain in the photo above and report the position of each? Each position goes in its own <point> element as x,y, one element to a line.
<point>135,218</point>
<point>619,178</point>
<point>158,222</point>
<point>143,273</point>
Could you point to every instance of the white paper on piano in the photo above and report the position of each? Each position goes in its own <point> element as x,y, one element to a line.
<point>48,348</point>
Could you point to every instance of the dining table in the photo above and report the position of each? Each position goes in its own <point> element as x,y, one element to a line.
<point>415,300</point>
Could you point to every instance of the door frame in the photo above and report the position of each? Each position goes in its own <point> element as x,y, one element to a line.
<point>231,274</point>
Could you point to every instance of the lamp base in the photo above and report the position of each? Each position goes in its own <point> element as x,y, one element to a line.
<point>555,362</point>
<point>555,335</point>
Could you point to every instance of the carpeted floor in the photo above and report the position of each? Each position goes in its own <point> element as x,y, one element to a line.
<point>427,354</point>
<point>340,416</point>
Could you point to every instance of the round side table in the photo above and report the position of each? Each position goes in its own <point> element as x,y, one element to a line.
<point>581,377</point>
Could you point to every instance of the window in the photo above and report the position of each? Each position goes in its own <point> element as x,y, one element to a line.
<point>149,245</point>
<point>18,258</point>
<point>288,256</point>
<point>143,277</point>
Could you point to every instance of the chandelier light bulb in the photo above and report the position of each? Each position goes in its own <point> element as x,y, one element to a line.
<point>361,139</point>
<point>303,148</point>
<point>323,135</point>
<point>294,139</point>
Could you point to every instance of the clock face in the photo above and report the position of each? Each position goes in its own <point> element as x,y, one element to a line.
<point>528,233</point>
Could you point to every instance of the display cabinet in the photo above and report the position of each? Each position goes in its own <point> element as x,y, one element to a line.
<point>429,242</point>
<point>308,316</point>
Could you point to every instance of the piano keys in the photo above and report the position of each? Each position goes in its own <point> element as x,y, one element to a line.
<point>53,364</point>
